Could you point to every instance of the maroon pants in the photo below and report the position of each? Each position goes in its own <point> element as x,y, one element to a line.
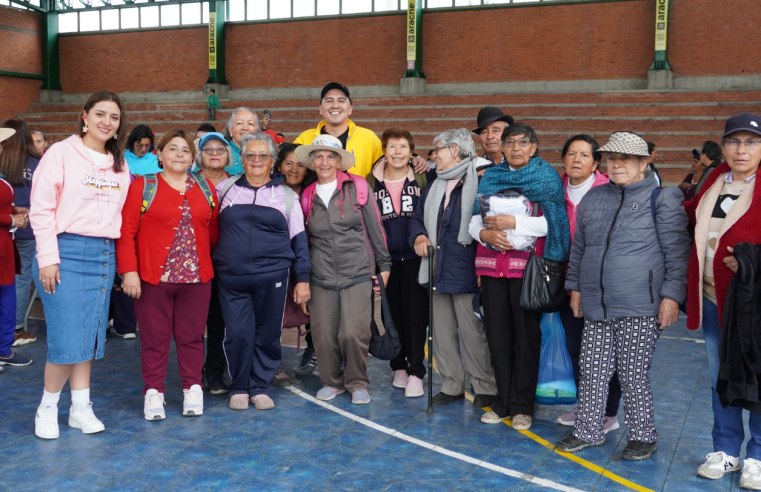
<point>172,309</point>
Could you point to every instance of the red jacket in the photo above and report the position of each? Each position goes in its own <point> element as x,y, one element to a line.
<point>745,230</point>
<point>9,258</point>
<point>144,247</point>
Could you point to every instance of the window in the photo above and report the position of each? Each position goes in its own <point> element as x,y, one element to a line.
<point>328,7</point>
<point>149,16</point>
<point>236,10</point>
<point>109,20</point>
<point>386,5</point>
<point>256,10</point>
<point>191,13</point>
<point>130,18</point>
<point>170,15</point>
<point>303,8</point>
<point>68,22</point>
<point>356,6</point>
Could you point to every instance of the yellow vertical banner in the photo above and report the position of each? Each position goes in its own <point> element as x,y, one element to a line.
<point>212,40</point>
<point>661,24</point>
<point>411,34</point>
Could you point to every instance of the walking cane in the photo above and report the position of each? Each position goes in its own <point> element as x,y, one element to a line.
<point>430,330</point>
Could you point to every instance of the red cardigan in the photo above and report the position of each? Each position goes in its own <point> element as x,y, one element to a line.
<point>9,258</point>
<point>144,247</point>
<point>745,230</point>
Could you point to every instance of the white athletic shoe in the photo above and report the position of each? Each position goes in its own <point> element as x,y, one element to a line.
<point>192,405</point>
<point>718,464</point>
<point>46,422</point>
<point>751,476</point>
<point>82,417</point>
<point>153,409</point>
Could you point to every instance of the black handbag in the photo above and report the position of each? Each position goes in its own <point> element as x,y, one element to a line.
<point>386,346</point>
<point>543,285</point>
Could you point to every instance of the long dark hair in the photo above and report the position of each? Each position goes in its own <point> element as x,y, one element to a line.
<point>287,149</point>
<point>596,154</point>
<point>16,152</point>
<point>137,134</point>
<point>114,146</point>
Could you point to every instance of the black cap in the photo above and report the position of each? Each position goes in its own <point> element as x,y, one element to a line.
<point>490,114</point>
<point>334,85</point>
<point>695,154</point>
<point>748,122</point>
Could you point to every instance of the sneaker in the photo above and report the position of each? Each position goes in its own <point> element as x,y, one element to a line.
<point>217,386</point>
<point>46,422</point>
<point>491,418</point>
<point>639,450</point>
<point>23,338</point>
<point>444,399</point>
<point>125,336</point>
<point>572,444</point>
<point>153,409</point>
<point>16,360</point>
<point>81,417</point>
<point>262,402</point>
<point>400,379</point>
<point>329,392</point>
<point>307,364</point>
<point>192,404</point>
<point>360,397</point>
<point>569,418</point>
<point>481,401</point>
<point>239,402</point>
<point>751,476</point>
<point>414,387</point>
<point>522,422</point>
<point>281,377</point>
<point>610,424</point>
<point>718,464</point>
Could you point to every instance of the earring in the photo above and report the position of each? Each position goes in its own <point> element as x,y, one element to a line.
<point>115,135</point>
<point>84,130</point>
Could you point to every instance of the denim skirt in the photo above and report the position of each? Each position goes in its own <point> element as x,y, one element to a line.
<point>77,314</point>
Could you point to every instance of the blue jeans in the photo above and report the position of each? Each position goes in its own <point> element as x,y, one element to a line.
<point>26,250</point>
<point>7,309</point>
<point>728,432</point>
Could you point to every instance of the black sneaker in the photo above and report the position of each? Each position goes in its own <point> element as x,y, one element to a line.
<point>217,385</point>
<point>307,364</point>
<point>481,401</point>
<point>15,359</point>
<point>572,444</point>
<point>638,450</point>
<point>445,399</point>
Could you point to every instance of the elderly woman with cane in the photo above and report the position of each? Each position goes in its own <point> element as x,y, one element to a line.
<point>441,220</point>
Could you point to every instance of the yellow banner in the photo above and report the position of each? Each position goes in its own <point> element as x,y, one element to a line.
<point>212,40</point>
<point>661,24</point>
<point>411,31</point>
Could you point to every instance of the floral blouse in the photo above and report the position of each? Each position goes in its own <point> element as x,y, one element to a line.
<point>182,266</point>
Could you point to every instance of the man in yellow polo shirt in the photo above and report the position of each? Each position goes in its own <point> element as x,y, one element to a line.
<point>335,109</point>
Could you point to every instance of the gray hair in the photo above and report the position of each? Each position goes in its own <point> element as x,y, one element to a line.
<point>461,138</point>
<point>40,132</point>
<point>258,137</point>
<point>229,125</point>
<point>311,154</point>
<point>199,158</point>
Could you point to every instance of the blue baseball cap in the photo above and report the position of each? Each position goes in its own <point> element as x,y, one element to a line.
<point>211,136</point>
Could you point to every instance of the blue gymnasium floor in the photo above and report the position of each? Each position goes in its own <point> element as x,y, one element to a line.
<point>302,446</point>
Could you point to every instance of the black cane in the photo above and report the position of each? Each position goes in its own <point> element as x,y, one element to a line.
<point>430,330</point>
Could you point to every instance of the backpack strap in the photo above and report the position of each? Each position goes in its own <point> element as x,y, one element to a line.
<point>289,199</point>
<point>150,184</point>
<point>422,180</point>
<point>228,184</point>
<point>371,181</point>
<point>361,187</point>
<point>653,198</point>
<point>204,186</point>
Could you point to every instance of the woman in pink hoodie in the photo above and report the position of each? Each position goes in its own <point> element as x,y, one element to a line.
<point>76,204</point>
<point>581,161</point>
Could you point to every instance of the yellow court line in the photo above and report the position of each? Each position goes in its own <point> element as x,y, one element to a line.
<point>586,464</point>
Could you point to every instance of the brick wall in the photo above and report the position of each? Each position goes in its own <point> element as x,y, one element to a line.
<point>166,60</point>
<point>20,51</point>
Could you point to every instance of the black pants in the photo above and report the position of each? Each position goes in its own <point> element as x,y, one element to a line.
<point>515,341</point>
<point>308,337</point>
<point>574,329</point>
<point>215,336</point>
<point>408,302</point>
<point>122,311</point>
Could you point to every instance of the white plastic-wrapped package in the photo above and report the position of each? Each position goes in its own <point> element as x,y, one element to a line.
<point>509,203</point>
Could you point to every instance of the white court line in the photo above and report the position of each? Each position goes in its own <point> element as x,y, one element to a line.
<point>452,454</point>
<point>696,340</point>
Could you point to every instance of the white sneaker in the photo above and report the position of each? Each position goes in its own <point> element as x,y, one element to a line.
<point>718,464</point>
<point>192,405</point>
<point>153,409</point>
<point>46,422</point>
<point>751,476</point>
<point>81,417</point>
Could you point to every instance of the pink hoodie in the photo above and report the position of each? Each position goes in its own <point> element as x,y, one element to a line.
<point>71,194</point>
<point>600,179</point>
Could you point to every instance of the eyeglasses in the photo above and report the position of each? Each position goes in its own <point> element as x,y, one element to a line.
<point>733,143</point>
<point>436,150</point>
<point>143,146</point>
<point>256,157</point>
<point>215,150</point>
<point>524,142</point>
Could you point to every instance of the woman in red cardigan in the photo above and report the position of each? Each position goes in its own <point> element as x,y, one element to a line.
<point>164,256</point>
<point>725,213</point>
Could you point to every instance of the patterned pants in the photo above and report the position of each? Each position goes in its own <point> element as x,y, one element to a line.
<point>625,345</point>
<point>212,114</point>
